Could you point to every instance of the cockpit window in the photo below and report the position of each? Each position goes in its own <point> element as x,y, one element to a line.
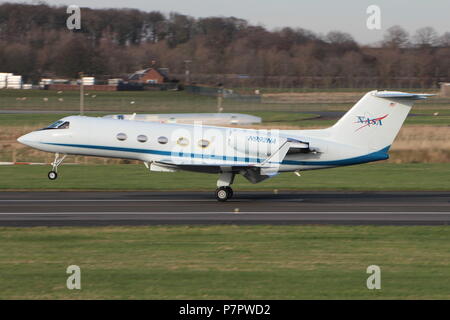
<point>58,125</point>
<point>65,125</point>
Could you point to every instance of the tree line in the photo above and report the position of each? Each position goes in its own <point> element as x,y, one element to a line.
<point>35,42</point>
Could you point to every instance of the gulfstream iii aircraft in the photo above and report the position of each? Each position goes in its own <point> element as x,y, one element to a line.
<point>364,134</point>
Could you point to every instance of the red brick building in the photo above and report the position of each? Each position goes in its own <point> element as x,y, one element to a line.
<point>150,76</point>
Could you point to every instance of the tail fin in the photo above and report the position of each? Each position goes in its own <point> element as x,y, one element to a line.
<point>375,120</point>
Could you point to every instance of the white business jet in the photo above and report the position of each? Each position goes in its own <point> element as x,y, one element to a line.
<point>364,134</point>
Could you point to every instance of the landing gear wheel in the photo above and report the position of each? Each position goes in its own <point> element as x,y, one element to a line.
<point>224,193</point>
<point>230,192</point>
<point>52,175</point>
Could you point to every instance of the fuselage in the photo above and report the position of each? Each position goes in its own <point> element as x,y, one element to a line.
<point>194,144</point>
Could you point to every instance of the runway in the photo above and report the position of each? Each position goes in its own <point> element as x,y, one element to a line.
<point>160,208</point>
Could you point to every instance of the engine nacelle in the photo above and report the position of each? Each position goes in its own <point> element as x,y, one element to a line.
<point>255,143</point>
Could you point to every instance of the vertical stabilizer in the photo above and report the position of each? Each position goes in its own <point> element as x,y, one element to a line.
<point>375,120</point>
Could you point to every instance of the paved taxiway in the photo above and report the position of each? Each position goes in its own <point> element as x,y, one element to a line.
<point>322,115</point>
<point>146,208</point>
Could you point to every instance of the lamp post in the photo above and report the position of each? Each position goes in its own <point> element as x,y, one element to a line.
<point>220,98</point>
<point>187,72</point>
<point>81,94</point>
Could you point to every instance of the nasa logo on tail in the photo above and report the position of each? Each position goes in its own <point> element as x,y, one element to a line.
<point>367,121</point>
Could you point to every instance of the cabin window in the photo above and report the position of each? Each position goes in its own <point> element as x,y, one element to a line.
<point>163,140</point>
<point>203,143</point>
<point>183,141</point>
<point>121,136</point>
<point>142,138</point>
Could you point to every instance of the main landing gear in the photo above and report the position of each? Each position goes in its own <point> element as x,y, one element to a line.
<point>52,175</point>
<point>224,191</point>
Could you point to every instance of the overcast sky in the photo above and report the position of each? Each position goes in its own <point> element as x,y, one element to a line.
<point>320,16</point>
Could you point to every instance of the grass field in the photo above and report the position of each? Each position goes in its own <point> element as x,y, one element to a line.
<point>273,111</point>
<point>225,262</point>
<point>118,101</point>
<point>331,90</point>
<point>181,101</point>
<point>222,262</point>
<point>377,177</point>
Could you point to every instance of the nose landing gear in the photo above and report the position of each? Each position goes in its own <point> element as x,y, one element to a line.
<point>52,175</point>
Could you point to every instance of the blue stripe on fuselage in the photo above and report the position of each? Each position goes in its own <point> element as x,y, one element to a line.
<point>374,156</point>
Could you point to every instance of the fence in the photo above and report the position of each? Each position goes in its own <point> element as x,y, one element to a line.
<point>12,152</point>
<point>221,92</point>
<point>316,82</point>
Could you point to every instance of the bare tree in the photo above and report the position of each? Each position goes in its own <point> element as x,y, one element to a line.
<point>396,37</point>
<point>337,37</point>
<point>341,43</point>
<point>426,37</point>
<point>34,42</point>
<point>444,40</point>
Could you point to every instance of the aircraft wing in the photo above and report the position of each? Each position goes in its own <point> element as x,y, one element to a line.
<point>254,173</point>
<point>167,165</point>
<point>271,165</point>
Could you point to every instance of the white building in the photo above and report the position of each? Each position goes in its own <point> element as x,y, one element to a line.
<point>14,82</point>
<point>445,89</point>
<point>4,79</point>
<point>88,81</point>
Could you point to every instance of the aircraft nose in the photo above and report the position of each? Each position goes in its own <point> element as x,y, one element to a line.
<point>21,139</point>
<point>25,139</point>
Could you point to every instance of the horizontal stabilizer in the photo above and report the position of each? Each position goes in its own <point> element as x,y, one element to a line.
<point>401,95</point>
